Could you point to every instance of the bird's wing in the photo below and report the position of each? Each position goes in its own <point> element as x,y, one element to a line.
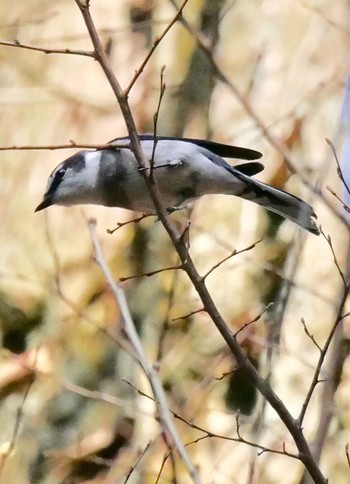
<point>226,151</point>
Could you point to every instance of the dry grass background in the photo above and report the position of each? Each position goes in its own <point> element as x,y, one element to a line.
<point>289,60</point>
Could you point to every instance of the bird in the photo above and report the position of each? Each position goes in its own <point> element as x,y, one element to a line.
<point>185,169</point>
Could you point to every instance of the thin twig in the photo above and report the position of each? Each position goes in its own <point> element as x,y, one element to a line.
<point>147,367</point>
<point>309,335</point>
<point>335,259</point>
<point>322,356</point>
<point>171,455</point>
<point>189,315</point>
<point>226,373</point>
<point>334,367</point>
<point>72,144</point>
<point>18,44</point>
<point>347,453</point>
<point>345,206</point>
<point>139,71</point>
<point>165,457</point>
<point>155,120</point>
<point>166,321</point>
<point>339,170</point>
<point>138,460</point>
<point>266,308</point>
<point>151,273</point>
<point>233,253</point>
<point>128,222</point>
<point>18,420</point>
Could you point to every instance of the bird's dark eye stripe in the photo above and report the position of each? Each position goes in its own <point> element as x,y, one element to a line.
<point>56,180</point>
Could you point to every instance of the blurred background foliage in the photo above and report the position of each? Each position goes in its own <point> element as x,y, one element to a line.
<point>68,413</point>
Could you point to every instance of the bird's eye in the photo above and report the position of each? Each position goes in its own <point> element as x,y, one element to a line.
<point>60,173</point>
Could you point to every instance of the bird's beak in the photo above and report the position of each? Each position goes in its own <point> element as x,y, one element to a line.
<point>44,204</point>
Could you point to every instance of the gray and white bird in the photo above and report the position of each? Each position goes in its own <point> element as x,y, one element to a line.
<point>185,169</point>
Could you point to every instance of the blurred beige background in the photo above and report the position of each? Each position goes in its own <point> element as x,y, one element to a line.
<point>289,62</point>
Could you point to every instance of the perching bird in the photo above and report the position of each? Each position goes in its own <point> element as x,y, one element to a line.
<point>185,169</point>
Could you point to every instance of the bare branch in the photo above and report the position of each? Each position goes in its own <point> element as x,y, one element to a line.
<point>335,259</point>
<point>233,253</point>
<point>345,206</point>
<point>323,352</point>
<point>345,315</point>
<point>166,321</point>
<point>151,273</point>
<point>71,145</point>
<point>266,308</point>
<point>170,454</point>
<point>133,337</point>
<point>165,457</point>
<point>240,355</point>
<point>227,373</point>
<point>309,335</point>
<point>347,453</point>
<point>18,420</point>
<point>187,316</point>
<point>132,221</point>
<point>339,170</point>
<point>155,120</point>
<point>139,71</point>
<point>18,44</point>
<point>133,467</point>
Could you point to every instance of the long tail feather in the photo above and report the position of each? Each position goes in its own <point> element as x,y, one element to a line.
<point>280,202</point>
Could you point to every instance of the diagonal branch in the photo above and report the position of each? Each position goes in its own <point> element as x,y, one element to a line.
<point>188,265</point>
<point>134,339</point>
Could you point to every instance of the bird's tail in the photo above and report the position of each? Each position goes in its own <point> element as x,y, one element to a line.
<point>280,202</point>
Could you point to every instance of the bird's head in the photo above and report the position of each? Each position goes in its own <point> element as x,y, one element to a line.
<point>73,181</point>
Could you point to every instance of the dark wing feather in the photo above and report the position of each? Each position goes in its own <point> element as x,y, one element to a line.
<point>250,169</point>
<point>225,151</point>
